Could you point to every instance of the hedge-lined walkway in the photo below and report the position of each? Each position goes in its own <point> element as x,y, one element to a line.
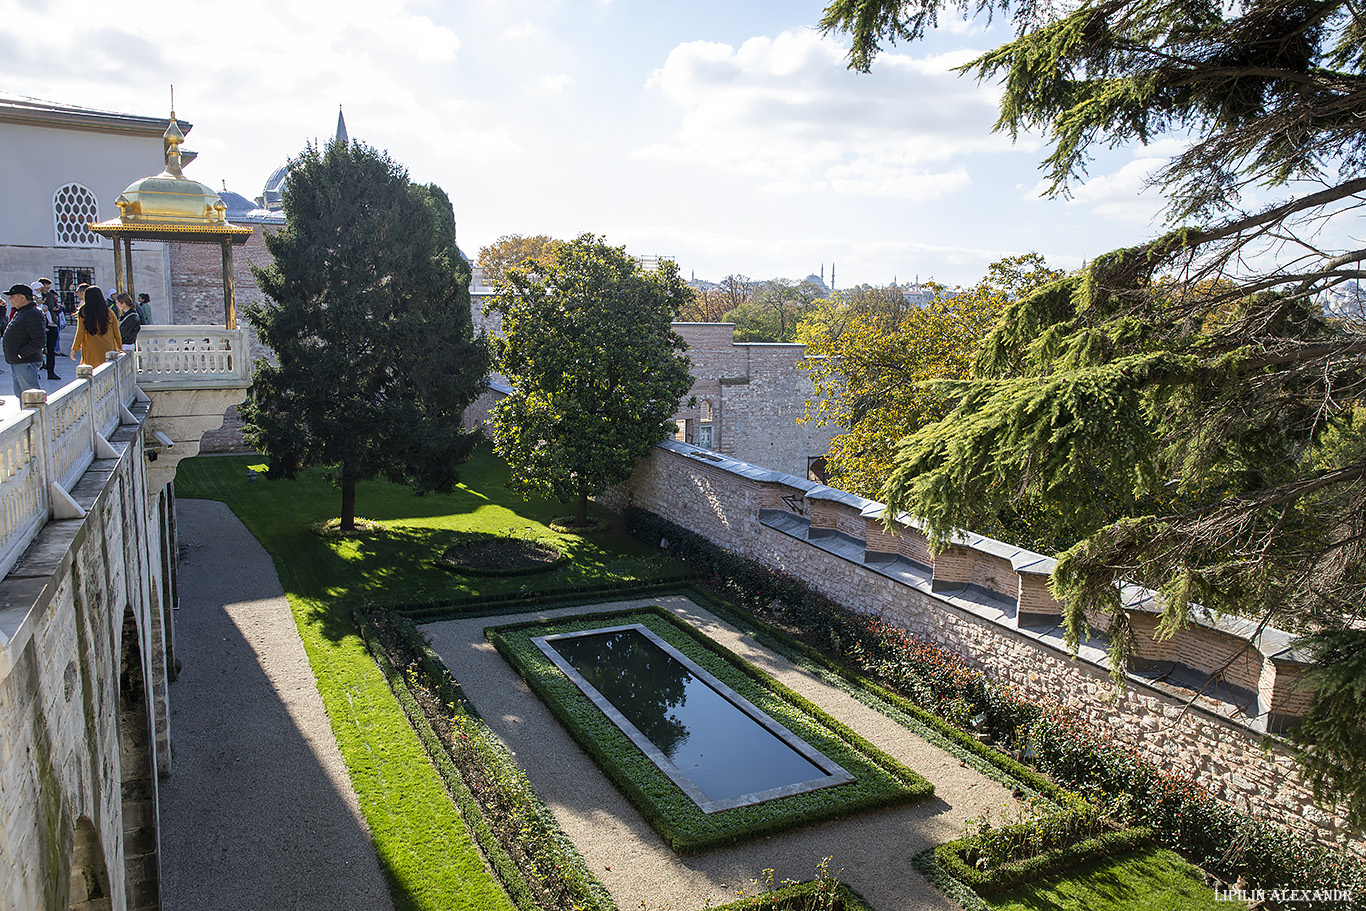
<point>873,850</point>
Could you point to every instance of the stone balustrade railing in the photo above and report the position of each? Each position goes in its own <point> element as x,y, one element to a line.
<point>47,447</point>
<point>170,356</point>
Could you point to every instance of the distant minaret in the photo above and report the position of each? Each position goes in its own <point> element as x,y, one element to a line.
<point>832,275</point>
<point>822,273</point>
<point>341,129</point>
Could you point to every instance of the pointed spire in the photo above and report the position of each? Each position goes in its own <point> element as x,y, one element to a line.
<point>170,143</point>
<point>341,129</point>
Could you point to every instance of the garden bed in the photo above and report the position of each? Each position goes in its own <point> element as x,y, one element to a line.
<point>497,555</point>
<point>880,780</point>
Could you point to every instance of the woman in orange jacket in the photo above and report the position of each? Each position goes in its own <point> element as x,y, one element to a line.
<point>97,332</point>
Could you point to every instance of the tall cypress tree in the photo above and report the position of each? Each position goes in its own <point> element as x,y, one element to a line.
<point>369,320</point>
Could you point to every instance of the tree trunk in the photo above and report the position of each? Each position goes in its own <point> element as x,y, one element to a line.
<point>348,510</point>
<point>581,515</point>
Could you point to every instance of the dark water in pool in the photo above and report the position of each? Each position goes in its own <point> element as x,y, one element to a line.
<point>723,750</point>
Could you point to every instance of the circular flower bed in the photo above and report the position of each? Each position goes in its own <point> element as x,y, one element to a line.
<point>493,556</point>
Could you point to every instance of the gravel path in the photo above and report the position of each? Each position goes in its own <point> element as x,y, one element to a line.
<point>872,851</point>
<point>258,812</point>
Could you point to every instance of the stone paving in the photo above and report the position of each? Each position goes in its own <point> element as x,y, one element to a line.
<point>873,850</point>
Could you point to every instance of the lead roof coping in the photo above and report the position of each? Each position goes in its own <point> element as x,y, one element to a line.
<point>1272,642</point>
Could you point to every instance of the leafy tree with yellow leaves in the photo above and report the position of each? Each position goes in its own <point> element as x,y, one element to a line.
<point>878,362</point>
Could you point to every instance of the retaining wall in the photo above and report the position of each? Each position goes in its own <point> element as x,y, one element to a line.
<point>989,602</point>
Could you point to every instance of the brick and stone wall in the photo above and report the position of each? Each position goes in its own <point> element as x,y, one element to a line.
<point>988,602</point>
<point>756,395</point>
<point>197,300</point>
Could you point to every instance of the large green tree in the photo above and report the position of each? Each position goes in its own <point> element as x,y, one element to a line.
<point>369,320</point>
<point>1199,361</point>
<point>596,371</point>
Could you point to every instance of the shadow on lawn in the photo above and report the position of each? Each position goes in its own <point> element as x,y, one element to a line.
<point>400,568</point>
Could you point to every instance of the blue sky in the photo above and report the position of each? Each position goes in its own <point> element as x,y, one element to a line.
<point>729,135</point>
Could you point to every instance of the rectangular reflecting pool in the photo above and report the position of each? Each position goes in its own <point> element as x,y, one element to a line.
<point>718,747</point>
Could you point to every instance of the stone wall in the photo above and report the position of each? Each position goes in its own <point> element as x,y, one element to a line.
<point>988,602</point>
<point>753,396</point>
<point>84,721</point>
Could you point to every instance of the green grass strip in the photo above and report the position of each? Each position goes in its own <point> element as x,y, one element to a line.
<point>1150,879</point>
<point>880,779</point>
<point>423,845</point>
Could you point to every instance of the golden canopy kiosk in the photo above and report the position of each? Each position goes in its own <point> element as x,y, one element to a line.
<point>171,207</point>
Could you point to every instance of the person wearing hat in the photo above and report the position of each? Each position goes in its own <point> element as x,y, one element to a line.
<point>25,339</point>
<point>52,313</point>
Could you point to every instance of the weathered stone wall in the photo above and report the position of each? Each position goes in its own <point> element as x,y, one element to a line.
<point>756,394</point>
<point>968,601</point>
<point>84,723</point>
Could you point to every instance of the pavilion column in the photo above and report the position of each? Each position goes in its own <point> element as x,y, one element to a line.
<point>229,298</point>
<point>128,268</point>
<point>118,267</point>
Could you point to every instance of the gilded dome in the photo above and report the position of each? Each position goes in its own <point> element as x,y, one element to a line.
<point>171,198</point>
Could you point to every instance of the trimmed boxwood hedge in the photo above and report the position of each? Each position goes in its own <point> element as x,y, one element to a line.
<point>880,779</point>
<point>1181,814</point>
<point>952,859</point>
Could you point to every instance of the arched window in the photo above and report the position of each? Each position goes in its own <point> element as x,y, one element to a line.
<point>705,415</point>
<point>73,207</point>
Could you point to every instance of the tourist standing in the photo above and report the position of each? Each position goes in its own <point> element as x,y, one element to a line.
<point>97,332</point>
<point>52,312</point>
<point>25,339</point>
<point>144,308</point>
<point>129,322</point>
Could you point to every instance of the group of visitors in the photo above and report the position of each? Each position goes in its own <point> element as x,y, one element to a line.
<point>35,319</point>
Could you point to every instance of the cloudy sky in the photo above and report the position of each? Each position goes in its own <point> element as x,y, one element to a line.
<point>729,135</point>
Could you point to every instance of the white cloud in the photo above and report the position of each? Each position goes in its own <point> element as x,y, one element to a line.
<point>553,85</point>
<point>519,31</point>
<point>789,111</point>
<point>1123,195</point>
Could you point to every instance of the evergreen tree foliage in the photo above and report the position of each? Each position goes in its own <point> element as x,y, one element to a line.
<point>596,370</point>
<point>369,321</point>
<point>1199,363</point>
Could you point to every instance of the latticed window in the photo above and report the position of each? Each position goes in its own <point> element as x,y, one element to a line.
<point>73,207</point>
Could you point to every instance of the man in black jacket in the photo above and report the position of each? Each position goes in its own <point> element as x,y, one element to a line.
<point>25,339</point>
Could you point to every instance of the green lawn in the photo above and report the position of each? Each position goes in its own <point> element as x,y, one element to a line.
<point>421,840</point>
<point>1153,879</point>
<point>422,843</point>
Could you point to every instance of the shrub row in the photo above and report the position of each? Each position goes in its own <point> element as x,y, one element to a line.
<point>953,857</point>
<point>1181,814</point>
<point>824,894</point>
<point>524,844</point>
<point>880,779</point>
